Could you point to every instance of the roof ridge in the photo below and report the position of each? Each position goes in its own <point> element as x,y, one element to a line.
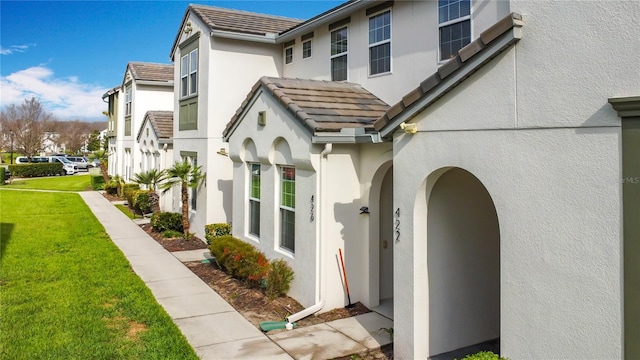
<point>229,10</point>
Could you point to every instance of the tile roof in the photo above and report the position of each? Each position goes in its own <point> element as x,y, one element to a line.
<point>321,106</point>
<point>151,71</point>
<point>161,122</point>
<point>242,21</point>
<point>469,59</point>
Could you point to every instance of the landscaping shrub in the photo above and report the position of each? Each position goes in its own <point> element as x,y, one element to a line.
<point>36,169</point>
<point>483,355</point>
<point>2,176</point>
<point>167,221</point>
<point>243,261</point>
<point>212,231</point>
<point>97,182</point>
<point>127,190</point>
<point>172,234</point>
<point>141,201</point>
<point>111,188</point>
<point>278,279</point>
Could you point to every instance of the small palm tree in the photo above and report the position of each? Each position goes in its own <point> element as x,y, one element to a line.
<point>187,176</point>
<point>102,156</point>
<point>151,179</point>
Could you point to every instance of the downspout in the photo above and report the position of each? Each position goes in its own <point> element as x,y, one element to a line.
<point>321,244</point>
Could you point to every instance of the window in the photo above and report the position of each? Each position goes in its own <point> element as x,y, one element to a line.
<point>380,43</point>
<point>306,49</point>
<point>254,200</point>
<point>288,55</point>
<point>189,74</point>
<point>339,54</point>
<point>188,106</point>
<point>127,126</point>
<point>454,17</point>
<point>127,101</point>
<point>287,208</point>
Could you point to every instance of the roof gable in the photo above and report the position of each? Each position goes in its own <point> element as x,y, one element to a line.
<point>161,122</point>
<point>470,58</point>
<point>235,21</point>
<point>151,71</point>
<point>319,106</point>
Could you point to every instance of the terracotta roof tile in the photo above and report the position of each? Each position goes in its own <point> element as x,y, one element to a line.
<point>242,21</point>
<point>321,106</point>
<point>151,71</point>
<point>432,85</point>
<point>161,122</point>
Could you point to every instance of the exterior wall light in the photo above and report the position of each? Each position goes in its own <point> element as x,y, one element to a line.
<point>409,128</point>
<point>222,152</point>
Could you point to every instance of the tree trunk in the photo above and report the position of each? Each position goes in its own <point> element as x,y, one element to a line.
<point>185,210</point>
<point>155,202</point>
<point>105,174</point>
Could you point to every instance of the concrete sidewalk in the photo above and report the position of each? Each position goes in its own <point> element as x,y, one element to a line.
<point>212,326</point>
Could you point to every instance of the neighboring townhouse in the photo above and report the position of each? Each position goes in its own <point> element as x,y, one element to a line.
<point>155,139</point>
<point>219,54</point>
<point>146,86</point>
<point>502,181</point>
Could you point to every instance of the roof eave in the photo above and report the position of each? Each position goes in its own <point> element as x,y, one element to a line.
<point>267,38</point>
<point>155,82</point>
<point>333,15</point>
<point>474,64</point>
<point>346,136</point>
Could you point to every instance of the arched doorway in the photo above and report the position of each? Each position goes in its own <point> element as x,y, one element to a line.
<point>463,264</point>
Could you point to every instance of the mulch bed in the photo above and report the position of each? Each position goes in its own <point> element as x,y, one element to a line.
<point>175,244</point>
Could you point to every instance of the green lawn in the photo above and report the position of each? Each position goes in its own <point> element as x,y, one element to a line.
<point>62,183</point>
<point>67,292</point>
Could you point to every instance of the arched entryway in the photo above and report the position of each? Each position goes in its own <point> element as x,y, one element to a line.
<point>463,264</point>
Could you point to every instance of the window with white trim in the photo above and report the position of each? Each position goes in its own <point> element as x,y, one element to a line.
<point>306,49</point>
<point>454,18</point>
<point>287,208</point>
<point>189,74</point>
<point>339,48</point>
<point>380,43</point>
<point>127,101</point>
<point>254,199</point>
<point>288,55</point>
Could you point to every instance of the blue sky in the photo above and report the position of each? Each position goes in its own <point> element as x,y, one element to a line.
<point>67,54</point>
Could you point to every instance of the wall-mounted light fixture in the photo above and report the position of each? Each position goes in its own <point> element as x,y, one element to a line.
<point>409,128</point>
<point>222,152</point>
<point>364,210</point>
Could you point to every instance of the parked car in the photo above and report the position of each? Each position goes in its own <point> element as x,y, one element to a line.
<point>68,167</point>
<point>94,163</point>
<point>80,161</point>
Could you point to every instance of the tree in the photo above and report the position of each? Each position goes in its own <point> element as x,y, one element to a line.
<point>28,121</point>
<point>102,156</point>
<point>151,179</point>
<point>187,176</point>
<point>93,143</point>
<point>73,135</point>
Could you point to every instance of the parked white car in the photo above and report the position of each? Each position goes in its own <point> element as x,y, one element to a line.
<point>68,167</point>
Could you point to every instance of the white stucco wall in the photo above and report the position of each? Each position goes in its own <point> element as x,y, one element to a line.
<point>546,145</point>
<point>414,47</point>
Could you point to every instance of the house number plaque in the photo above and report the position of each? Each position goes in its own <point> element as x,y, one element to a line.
<point>312,209</point>
<point>397,224</point>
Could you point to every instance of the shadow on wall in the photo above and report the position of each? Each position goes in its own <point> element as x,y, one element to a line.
<point>5,234</point>
<point>348,217</point>
<point>226,188</point>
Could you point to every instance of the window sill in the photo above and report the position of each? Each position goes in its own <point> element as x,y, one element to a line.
<point>380,75</point>
<point>186,98</point>
<point>285,252</point>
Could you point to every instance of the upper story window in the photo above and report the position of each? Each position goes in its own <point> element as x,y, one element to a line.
<point>454,18</point>
<point>254,200</point>
<point>306,49</point>
<point>380,43</point>
<point>339,48</point>
<point>127,101</point>
<point>288,55</point>
<point>287,208</point>
<point>189,74</point>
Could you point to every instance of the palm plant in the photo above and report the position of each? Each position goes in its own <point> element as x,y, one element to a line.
<point>151,179</point>
<point>102,156</point>
<point>187,176</point>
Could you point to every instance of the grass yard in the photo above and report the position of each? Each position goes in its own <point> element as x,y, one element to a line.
<point>61,183</point>
<point>67,292</point>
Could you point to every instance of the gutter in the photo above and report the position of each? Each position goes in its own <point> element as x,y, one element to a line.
<point>347,136</point>
<point>321,245</point>
<point>154,83</point>
<point>268,38</point>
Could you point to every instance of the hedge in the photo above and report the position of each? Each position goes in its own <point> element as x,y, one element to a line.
<point>36,169</point>
<point>212,231</point>
<point>2,176</point>
<point>127,191</point>
<point>141,201</point>
<point>164,221</point>
<point>97,182</point>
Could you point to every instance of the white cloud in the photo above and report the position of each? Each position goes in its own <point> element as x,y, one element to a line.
<point>66,98</point>
<point>15,49</point>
